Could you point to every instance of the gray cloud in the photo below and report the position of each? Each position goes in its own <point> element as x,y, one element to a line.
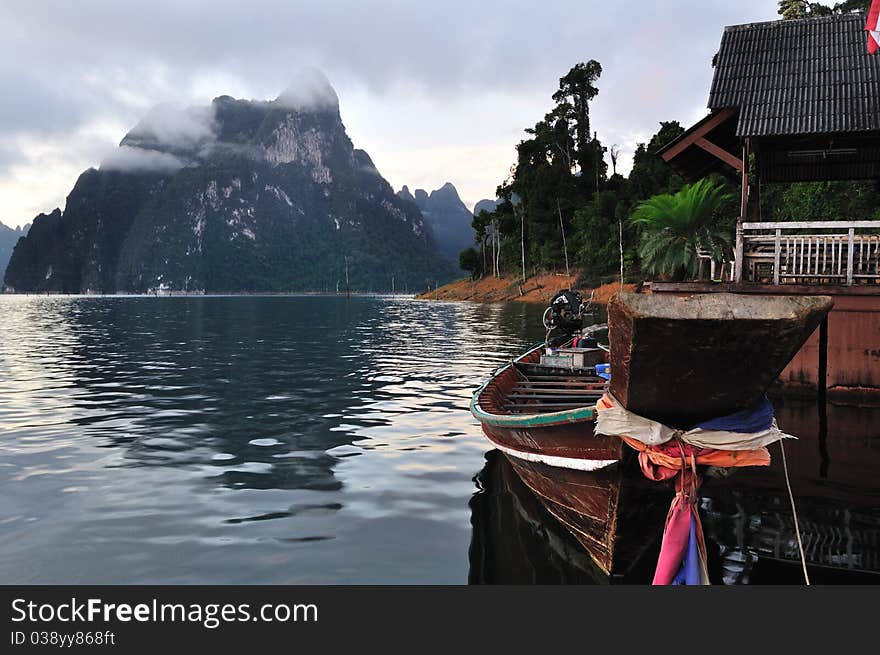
<point>440,47</point>
<point>130,158</point>
<point>412,77</point>
<point>33,104</point>
<point>168,125</point>
<point>309,89</point>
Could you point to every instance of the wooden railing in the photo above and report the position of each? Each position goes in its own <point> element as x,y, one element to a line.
<point>814,253</point>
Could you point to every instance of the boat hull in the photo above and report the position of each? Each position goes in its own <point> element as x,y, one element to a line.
<point>516,540</point>
<point>611,512</point>
<point>720,352</point>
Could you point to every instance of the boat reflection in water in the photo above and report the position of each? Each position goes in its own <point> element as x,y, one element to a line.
<point>516,540</point>
<point>833,470</point>
<point>746,517</point>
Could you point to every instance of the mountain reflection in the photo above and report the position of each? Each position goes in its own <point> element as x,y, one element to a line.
<point>242,439</point>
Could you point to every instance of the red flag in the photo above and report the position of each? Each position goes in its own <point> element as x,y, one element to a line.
<point>873,27</point>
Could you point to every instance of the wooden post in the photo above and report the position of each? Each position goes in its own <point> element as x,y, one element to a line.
<point>620,246</point>
<point>821,400</point>
<point>758,194</point>
<point>849,257</point>
<point>738,254</point>
<point>522,218</point>
<point>823,359</point>
<point>744,205</point>
<point>497,251</point>
<point>776,256</point>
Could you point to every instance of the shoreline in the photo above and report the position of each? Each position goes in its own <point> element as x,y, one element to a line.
<point>211,294</point>
<point>538,289</point>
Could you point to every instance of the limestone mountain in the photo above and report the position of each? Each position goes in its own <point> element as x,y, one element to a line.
<point>239,196</point>
<point>485,205</point>
<point>9,236</point>
<point>448,216</point>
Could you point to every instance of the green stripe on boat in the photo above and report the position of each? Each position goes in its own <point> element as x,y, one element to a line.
<point>526,420</point>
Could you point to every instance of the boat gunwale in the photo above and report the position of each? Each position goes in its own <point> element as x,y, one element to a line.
<point>578,414</point>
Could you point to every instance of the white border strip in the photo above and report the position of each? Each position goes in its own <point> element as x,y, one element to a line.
<point>559,462</point>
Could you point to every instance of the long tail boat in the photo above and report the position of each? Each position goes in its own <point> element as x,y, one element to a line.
<point>675,360</point>
<point>542,420</point>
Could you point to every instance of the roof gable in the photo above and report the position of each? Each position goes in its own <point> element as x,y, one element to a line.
<point>807,76</point>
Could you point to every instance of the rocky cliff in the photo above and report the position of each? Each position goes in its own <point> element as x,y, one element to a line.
<point>9,236</point>
<point>238,196</point>
<point>448,217</point>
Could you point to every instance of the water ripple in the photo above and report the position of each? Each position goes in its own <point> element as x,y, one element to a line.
<point>294,439</point>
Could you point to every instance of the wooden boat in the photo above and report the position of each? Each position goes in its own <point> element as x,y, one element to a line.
<point>677,360</point>
<point>719,351</point>
<point>542,419</point>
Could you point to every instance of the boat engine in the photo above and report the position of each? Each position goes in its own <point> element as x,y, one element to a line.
<point>565,314</point>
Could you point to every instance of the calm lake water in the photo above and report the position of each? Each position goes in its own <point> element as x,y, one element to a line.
<point>328,440</point>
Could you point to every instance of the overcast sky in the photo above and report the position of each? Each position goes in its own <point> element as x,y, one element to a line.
<point>435,92</point>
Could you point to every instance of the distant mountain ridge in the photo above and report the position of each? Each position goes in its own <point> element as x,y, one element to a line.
<point>238,196</point>
<point>9,236</point>
<point>485,205</point>
<point>449,218</point>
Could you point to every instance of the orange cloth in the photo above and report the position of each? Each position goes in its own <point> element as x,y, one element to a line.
<point>604,403</point>
<point>659,465</point>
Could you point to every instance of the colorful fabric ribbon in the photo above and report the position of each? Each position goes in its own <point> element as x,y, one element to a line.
<point>739,439</point>
<point>682,557</point>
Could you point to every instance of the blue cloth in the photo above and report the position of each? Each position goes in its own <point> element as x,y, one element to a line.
<point>689,573</point>
<point>756,419</point>
<point>602,371</point>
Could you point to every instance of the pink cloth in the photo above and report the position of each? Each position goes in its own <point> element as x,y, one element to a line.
<point>675,542</point>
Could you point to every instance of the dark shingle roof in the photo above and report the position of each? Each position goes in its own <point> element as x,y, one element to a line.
<point>807,76</point>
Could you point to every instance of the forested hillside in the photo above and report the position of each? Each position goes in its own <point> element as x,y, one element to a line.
<point>565,204</point>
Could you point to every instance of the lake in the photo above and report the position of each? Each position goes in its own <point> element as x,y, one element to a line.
<point>320,439</point>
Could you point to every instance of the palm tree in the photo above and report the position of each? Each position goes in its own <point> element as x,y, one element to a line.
<point>675,227</point>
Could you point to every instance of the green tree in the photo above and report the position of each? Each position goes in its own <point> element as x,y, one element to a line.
<point>651,175</point>
<point>576,89</point>
<point>851,5</point>
<point>791,9</point>
<point>559,167</point>
<point>675,226</point>
<point>596,225</point>
<point>469,260</point>
<point>821,201</point>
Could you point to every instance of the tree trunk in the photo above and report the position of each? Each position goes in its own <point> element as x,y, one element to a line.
<point>522,229</point>
<point>620,245</point>
<point>564,247</point>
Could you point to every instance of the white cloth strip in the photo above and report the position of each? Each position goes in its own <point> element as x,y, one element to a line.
<point>617,421</point>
